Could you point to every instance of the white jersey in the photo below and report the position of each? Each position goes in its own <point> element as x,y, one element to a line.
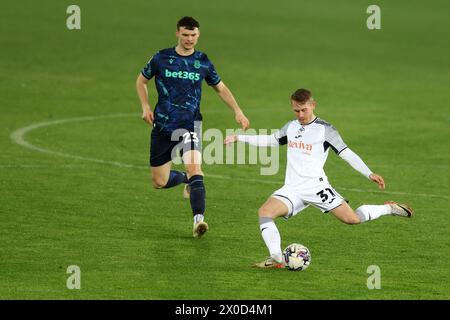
<point>308,147</point>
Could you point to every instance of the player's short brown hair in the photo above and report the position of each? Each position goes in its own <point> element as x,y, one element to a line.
<point>188,23</point>
<point>301,96</point>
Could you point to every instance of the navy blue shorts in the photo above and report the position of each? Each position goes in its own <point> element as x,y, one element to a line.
<point>163,146</point>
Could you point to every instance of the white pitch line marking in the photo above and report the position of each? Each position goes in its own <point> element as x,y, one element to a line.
<point>34,166</point>
<point>18,136</point>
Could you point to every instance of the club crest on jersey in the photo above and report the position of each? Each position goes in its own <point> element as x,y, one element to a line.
<point>302,129</point>
<point>197,64</point>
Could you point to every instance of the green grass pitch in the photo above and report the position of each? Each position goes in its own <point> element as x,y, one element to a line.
<point>74,179</point>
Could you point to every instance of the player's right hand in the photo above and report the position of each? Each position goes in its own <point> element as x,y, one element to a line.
<point>147,116</point>
<point>242,120</point>
<point>230,139</point>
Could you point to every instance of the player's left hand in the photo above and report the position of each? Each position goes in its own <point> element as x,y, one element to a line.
<point>242,120</point>
<point>230,139</point>
<point>378,180</point>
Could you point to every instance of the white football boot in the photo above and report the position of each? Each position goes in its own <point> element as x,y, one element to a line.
<point>199,229</point>
<point>399,209</point>
<point>269,263</point>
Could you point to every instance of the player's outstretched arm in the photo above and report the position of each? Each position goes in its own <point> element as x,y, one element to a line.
<point>141,88</point>
<point>356,163</point>
<point>254,140</point>
<point>227,97</point>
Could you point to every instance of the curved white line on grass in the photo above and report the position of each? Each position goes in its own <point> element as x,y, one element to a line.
<point>43,166</point>
<point>18,137</point>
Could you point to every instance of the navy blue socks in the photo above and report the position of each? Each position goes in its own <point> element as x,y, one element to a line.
<point>197,194</point>
<point>175,178</point>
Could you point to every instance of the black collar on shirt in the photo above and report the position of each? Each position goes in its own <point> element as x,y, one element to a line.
<point>307,123</point>
<point>179,55</point>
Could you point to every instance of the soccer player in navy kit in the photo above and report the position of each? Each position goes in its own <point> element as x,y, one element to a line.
<point>176,119</point>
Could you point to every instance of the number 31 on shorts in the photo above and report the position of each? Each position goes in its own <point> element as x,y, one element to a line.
<point>325,193</point>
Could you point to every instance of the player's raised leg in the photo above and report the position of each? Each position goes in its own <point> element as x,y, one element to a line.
<point>346,214</point>
<point>369,212</point>
<point>161,146</point>
<point>160,175</point>
<point>270,210</point>
<point>197,194</point>
<point>163,177</point>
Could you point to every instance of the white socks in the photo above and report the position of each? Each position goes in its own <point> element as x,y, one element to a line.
<point>198,218</point>
<point>272,239</point>
<point>372,212</point>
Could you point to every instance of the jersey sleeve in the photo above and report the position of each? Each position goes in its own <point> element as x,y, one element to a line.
<point>334,140</point>
<point>281,135</point>
<point>211,77</point>
<point>355,162</point>
<point>150,68</point>
<point>259,140</point>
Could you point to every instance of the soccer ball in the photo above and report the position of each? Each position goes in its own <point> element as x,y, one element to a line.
<point>297,257</point>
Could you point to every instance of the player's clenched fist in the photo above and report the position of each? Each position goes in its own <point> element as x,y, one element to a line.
<point>148,116</point>
<point>243,121</point>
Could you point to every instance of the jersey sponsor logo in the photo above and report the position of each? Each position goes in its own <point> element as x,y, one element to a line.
<point>182,75</point>
<point>300,145</point>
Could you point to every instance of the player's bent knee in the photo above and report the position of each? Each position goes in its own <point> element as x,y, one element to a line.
<point>351,220</point>
<point>346,214</point>
<point>264,212</point>
<point>158,183</point>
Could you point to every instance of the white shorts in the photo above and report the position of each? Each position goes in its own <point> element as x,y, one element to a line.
<point>316,192</point>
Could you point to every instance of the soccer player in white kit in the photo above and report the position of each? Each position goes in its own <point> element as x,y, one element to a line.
<point>308,140</point>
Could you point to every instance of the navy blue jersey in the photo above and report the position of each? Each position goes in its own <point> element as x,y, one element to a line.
<point>178,80</point>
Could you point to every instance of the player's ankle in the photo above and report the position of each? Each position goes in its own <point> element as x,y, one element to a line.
<point>199,218</point>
